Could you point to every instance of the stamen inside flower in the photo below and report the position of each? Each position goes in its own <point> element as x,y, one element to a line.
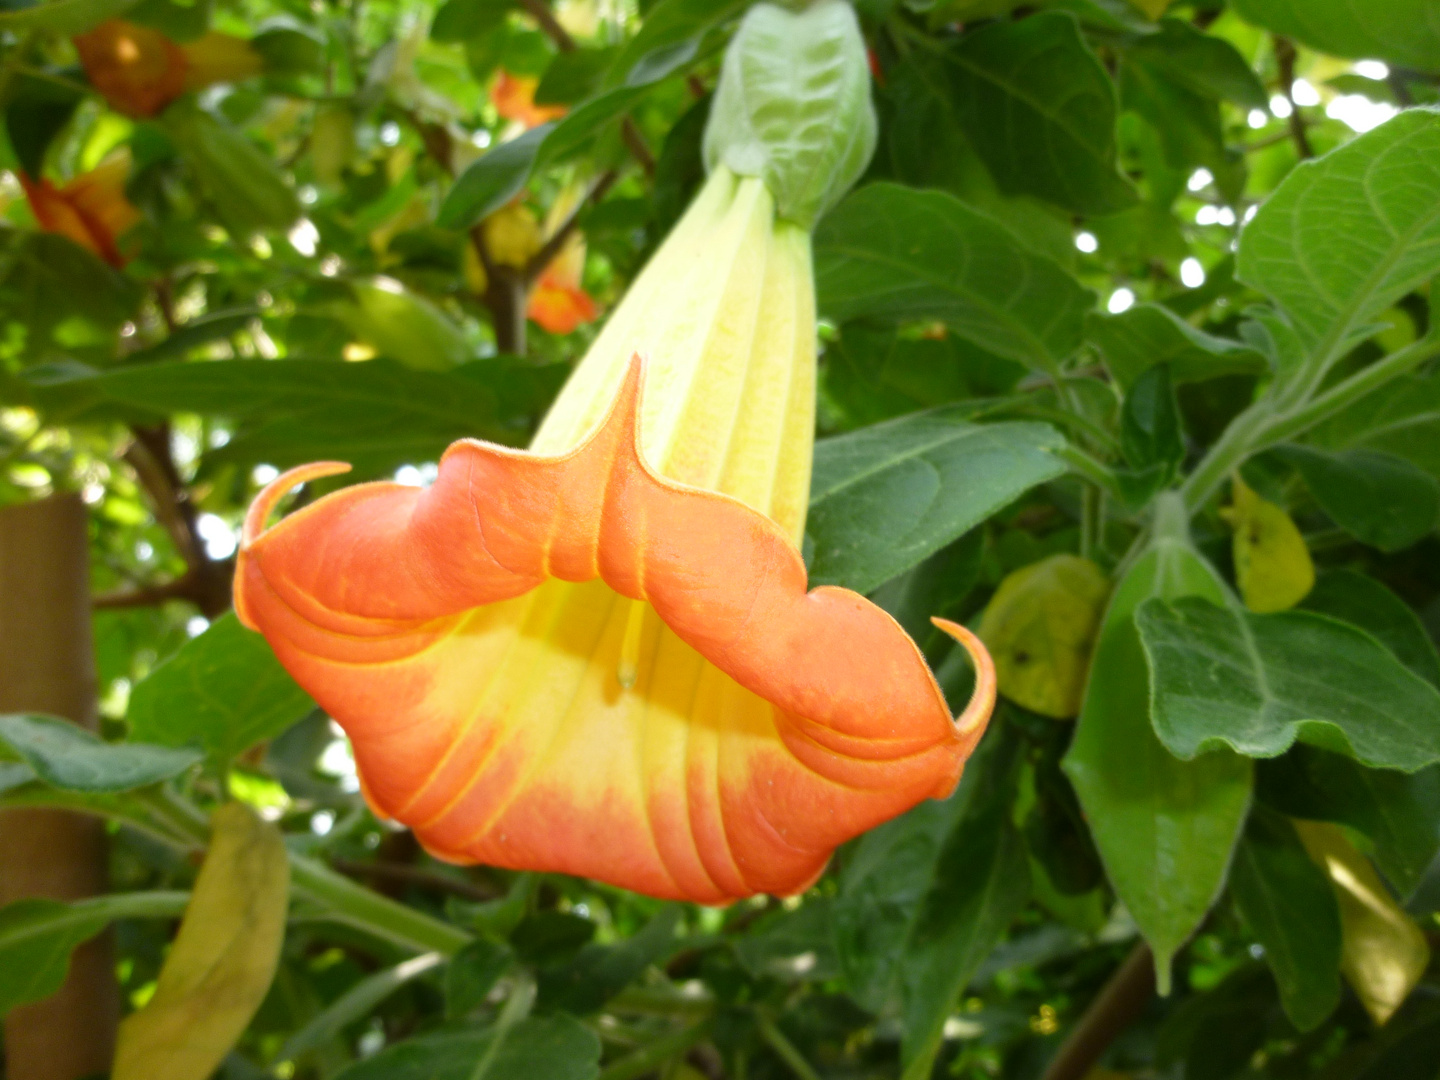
<point>629,667</point>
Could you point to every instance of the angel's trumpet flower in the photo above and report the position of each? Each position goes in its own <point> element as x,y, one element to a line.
<point>140,71</point>
<point>514,99</point>
<point>598,656</point>
<point>91,209</point>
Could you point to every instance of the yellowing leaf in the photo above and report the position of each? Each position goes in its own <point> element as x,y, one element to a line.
<point>1272,564</point>
<point>332,143</point>
<point>1382,952</point>
<point>223,959</point>
<point>512,235</point>
<point>1040,626</point>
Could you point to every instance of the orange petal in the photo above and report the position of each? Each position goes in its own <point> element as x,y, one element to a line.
<point>137,69</point>
<point>569,663</point>
<point>91,210</point>
<point>514,99</point>
<point>560,309</point>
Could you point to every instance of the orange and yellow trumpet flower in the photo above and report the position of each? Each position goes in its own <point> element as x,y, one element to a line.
<point>598,656</point>
<point>139,70</point>
<point>91,209</point>
<point>514,99</point>
<point>557,301</point>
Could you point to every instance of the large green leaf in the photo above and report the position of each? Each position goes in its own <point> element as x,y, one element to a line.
<point>1345,235</point>
<point>670,37</point>
<point>1165,828</point>
<point>1378,498</point>
<point>1203,63</point>
<point>899,254</point>
<point>1398,812</point>
<point>224,691</point>
<point>400,325</point>
<point>66,756</point>
<point>1223,676</point>
<point>1147,334</point>
<point>492,181</point>
<point>242,182</point>
<point>552,1048</point>
<point>1355,598</point>
<point>1039,108</point>
<point>885,497</point>
<point>1403,32</point>
<point>1401,418</point>
<point>1287,902</point>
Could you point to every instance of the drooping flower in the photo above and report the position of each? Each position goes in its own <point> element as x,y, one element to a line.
<point>140,71</point>
<point>514,99</point>
<point>558,302</point>
<point>91,209</point>
<point>598,656</point>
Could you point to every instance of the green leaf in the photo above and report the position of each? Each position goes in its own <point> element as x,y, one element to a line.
<point>223,690</point>
<point>1344,236</point>
<point>670,37</point>
<point>1039,108</point>
<point>599,972</point>
<point>472,973</point>
<point>212,326</point>
<point>885,497</point>
<point>573,76</point>
<point>38,936</point>
<point>1355,598</point>
<point>1201,62</point>
<point>1287,902</point>
<point>1401,418</point>
<point>65,755</point>
<point>36,940</point>
<point>65,18</point>
<point>1398,812</point>
<point>793,946</point>
<point>981,881</point>
<point>356,1003</point>
<point>793,106</point>
<point>552,1048</point>
<point>241,181</point>
<point>1378,498</point>
<point>461,20</point>
<point>1165,828</point>
<point>1150,422</point>
<point>492,181</point>
<point>899,254</point>
<point>1147,334</point>
<point>37,111</point>
<point>924,897</point>
<point>1402,32</point>
<point>1256,683</point>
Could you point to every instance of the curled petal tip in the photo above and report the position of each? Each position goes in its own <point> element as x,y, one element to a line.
<point>277,489</point>
<point>982,700</point>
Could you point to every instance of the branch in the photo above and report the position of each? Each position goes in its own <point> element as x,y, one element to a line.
<point>1119,1003</point>
<point>1285,59</point>
<point>145,596</point>
<point>551,248</point>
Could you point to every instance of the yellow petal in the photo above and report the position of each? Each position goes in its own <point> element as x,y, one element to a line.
<point>1272,564</point>
<point>1040,626</point>
<point>1382,952</point>
<point>223,959</point>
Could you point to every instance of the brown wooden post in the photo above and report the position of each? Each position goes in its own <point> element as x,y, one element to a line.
<point>47,665</point>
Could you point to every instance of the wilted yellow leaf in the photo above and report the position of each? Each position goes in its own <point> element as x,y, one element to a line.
<point>1272,564</point>
<point>220,966</point>
<point>1382,953</point>
<point>512,235</point>
<point>1040,626</point>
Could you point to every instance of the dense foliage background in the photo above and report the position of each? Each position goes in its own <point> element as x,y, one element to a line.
<point>1108,253</point>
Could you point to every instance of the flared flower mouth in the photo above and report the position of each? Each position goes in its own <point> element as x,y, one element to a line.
<point>572,663</point>
<point>91,209</point>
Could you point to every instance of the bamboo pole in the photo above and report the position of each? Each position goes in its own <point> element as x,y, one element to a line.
<point>47,665</point>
